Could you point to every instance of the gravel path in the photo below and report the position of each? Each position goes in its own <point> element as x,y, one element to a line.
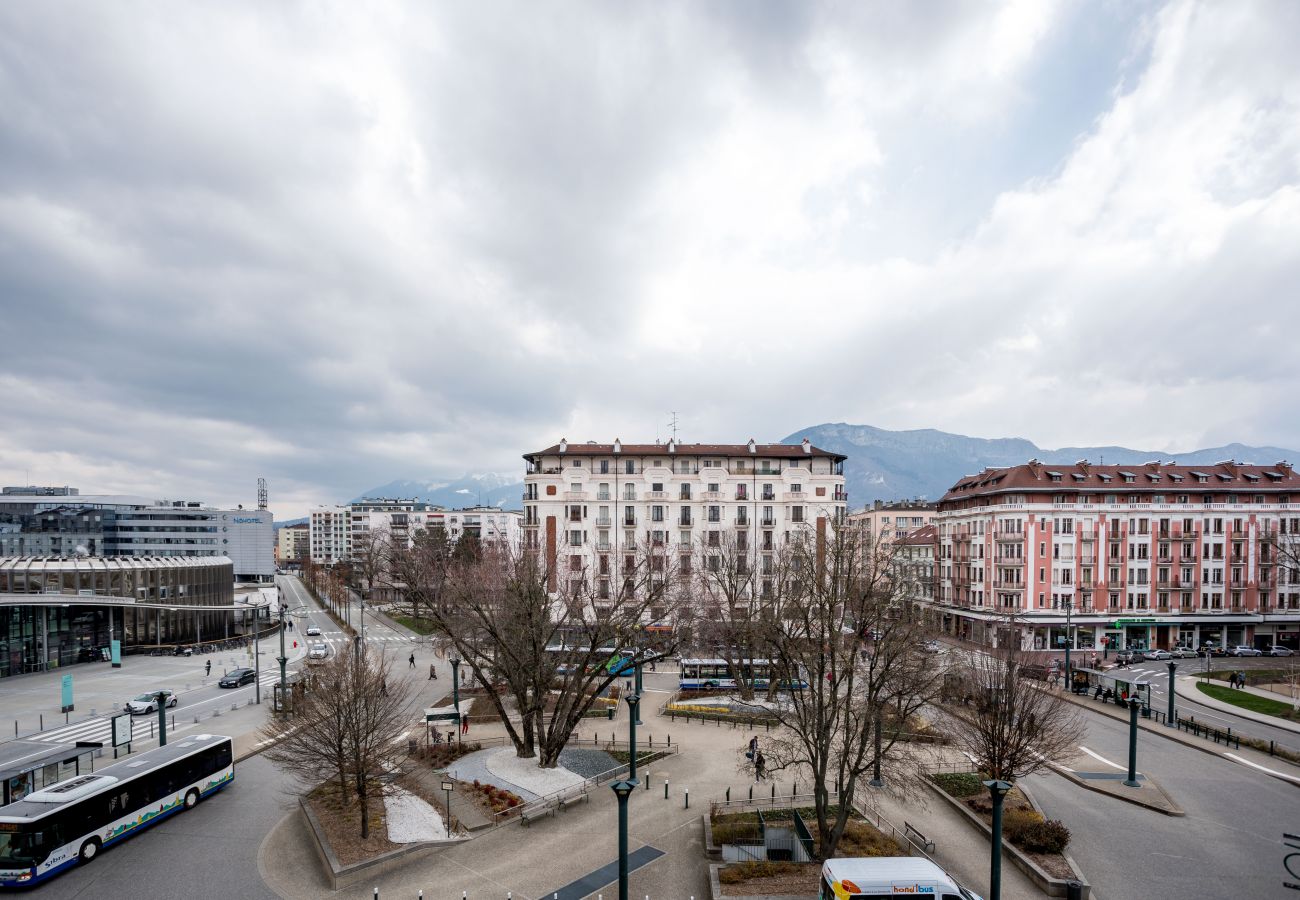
<point>410,819</point>
<point>473,766</point>
<point>587,763</point>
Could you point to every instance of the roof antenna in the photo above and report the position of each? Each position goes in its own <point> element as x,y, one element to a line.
<point>673,424</point>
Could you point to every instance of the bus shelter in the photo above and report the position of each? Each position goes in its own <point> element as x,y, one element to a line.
<point>436,717</point>
<point>1113,685</point>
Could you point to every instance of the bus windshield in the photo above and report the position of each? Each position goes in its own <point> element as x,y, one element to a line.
<point>19,849</point>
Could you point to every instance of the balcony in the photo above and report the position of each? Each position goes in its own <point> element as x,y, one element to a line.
<point>604,522</point>
<point>796,495</point>
<point>742,521</point>
<point>1009,585</point>
<point>603,496</point>
<point>629,521</point>
<point>1016,561</point>
<point>1010,536</point>
<point>684,523</point>
<point>767,522</point>
<point>711,495</point>
<point>656,495</point>
<point>575,495</point>
<point>840,496</point>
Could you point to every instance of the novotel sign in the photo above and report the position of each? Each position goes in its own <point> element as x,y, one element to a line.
<point>246,520</point>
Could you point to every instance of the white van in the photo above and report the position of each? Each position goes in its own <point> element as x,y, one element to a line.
<point>888,878</point>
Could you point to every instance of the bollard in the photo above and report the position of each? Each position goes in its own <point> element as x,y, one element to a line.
<point>376,893</point>
<point>15,728</point>
<point>1073,890</point>
<point>751,792</point>
<point>774,790</point>
<point>151,731</point>
<point>42,721</point>
<point>670,740</point>
<point>665,788</point>
<point>647,780</point>
<point>1270,748</point>
<point>794,791</point>
<point>686,792</point>
<point>65,718</point>
<point>728,795</point>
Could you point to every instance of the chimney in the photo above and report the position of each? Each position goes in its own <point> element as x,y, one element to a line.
<point>751,446</point>
<point>807,446</point>
<point>564,444</point>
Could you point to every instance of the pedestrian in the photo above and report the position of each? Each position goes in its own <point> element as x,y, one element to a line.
<point>412,660</point>
<point>207,669</point>
<point>464,723</point>
<point>433,672</point>
<point>1241,680</point>
<point>760,766</point>
<point>383,688</point>
<point>291,624</point>
<point>753,748</point>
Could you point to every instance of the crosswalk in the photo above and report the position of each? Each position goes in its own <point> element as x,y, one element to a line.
<point>100,729</point>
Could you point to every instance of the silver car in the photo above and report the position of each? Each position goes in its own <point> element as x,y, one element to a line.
<point>318,651</point>
<point>1244,650</point>
<point>147,703</point>
<point>1275,650</point>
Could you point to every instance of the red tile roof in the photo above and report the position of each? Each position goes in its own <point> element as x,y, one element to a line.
<point>927,534</point>
<point>1153,477</point>
<point>769,451</point>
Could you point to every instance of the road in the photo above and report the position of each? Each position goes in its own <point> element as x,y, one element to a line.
<point>1228,845</point>
<point>208,853</point>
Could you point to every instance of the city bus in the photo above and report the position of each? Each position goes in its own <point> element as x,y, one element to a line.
<point>708,674</point>
<point>72,821</point>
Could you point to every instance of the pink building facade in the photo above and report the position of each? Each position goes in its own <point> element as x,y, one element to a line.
<point>1136,557</point>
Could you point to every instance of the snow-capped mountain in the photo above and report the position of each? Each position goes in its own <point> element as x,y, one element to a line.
<point>892,465</point>
<point>482,489</point>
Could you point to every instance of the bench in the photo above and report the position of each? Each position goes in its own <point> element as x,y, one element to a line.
<point>529,815</point>
<point>910,831</point>
<point>582,797</point>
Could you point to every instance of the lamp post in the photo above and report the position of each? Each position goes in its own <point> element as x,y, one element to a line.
<point>1069,638</point>
<point>1170,720</point>
<point>623,789</point>
<point>636,710</point>
<point>455,690</point>
<point>161,697</point>
<point>998,792</point>
<point>633,704</point>
<point>284,697</point>
<point>1132,781</point>
<point>257,654</point>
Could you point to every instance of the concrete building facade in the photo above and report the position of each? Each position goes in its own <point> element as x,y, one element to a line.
<point>893,520</point>
<point>587,507</point>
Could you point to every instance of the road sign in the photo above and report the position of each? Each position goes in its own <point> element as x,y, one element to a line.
<point>448,785</point>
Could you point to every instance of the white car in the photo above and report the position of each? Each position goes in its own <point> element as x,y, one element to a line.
<point>147,703</point>
<point>318,651</point>
<point>1158,654</point>
<point>313,631</point>
<point>1243,650</point>
<point>1275,650</point>
<point>1184,653</point>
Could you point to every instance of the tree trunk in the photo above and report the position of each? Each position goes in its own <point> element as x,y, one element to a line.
<point>364,797</point>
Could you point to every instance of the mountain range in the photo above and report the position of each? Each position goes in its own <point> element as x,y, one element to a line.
<point>882,464</point>
<point>890,465</point>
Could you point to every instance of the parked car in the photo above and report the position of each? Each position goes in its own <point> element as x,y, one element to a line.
<point>931,646</point>
<point>1275,650</point>
<point>1244,650</point>
<point>1126,657</point>
<point>313,631</point>
<point>1182,651</point>
<point>1157,654</point>
<point>1213,649</point>
<point>237,678</point>
<point>318,651</point>
<point>147,703</point>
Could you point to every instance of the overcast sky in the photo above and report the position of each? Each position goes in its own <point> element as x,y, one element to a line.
<point>335,244</point>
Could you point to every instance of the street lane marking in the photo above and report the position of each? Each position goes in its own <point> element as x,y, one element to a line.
<point>1246,762</point>
<point>1100,758</point>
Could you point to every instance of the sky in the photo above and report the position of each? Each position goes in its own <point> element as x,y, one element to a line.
<point>335,244</point>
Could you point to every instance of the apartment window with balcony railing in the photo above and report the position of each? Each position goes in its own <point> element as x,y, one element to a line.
<point>742,516</point>
<point>796,514</point>
<point>603,467</point>
<point>629,492</point>
<point>685,492</point>
<point>714,539</point>
<point>629,515</point>
<point>656,513</point>
<point>602,517</point>
<point>684,517</point>
<point>768,493</point>
<point>575,538</point>
<point>767,540</point>
<point>684,538</point>
<point>715,513</point>
<point>657,486</point>
<point>629,467</point>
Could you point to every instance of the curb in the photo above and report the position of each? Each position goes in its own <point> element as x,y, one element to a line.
<point>1176,811</point>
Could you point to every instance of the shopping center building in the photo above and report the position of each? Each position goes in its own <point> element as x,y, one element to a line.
<point>56,611</point>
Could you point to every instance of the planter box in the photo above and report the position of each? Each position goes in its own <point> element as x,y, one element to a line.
<point>715,886</point>
<point>1052,887</point>
<point>341,876</point>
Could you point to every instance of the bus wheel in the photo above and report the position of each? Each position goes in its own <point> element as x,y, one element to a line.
<point>191,798</point>
<point>89,850</point>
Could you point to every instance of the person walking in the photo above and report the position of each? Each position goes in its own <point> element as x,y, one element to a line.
<point>207,669</point>
<point>753,747</point>
<point>464,723</point>
<point>433,672</point>
<point>412,660</point>
<point>383,688</point>
<point>760,766</point>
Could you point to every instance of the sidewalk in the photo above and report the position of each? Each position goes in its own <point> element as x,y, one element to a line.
<point>1185,686</point>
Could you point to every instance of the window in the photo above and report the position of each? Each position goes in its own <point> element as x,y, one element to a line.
<point>575,538</point>
<point>796,514</point>
<point>657,486</point>
<point>656,513</point>
<point>714,512</point>
<point>686,492</point>
<point>629,466</point>
<point>715,488</point>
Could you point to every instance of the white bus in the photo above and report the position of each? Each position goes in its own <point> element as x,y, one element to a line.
<point>51,829</point>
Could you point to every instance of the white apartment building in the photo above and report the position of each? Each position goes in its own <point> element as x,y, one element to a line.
<point>1135,557</point>
<point>335,529</point>
<point>585,505</point>
<point>893,520</point>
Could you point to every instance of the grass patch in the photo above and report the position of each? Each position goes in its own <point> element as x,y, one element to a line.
<point>739,873</point>
<point>960,784</point>
<point>419,626</point>
<point>1249,701</point>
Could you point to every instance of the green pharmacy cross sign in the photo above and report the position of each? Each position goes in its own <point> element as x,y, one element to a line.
<point>1120,622</point>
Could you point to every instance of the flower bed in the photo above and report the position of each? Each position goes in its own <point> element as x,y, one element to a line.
<point>1041,840</point>
<point>496,801</point>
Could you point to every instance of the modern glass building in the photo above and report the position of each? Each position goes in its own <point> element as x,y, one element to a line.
<point>55,611</point>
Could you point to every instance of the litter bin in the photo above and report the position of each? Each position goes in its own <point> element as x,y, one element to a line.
<point>610,713</point>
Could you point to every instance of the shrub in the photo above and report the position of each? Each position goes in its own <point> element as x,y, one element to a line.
<point>1016,821</point>
<point>960,784</point>
<point>742,872</point>
<point>1045,837</point>
<point>512,801</point>
<point>729,832</point>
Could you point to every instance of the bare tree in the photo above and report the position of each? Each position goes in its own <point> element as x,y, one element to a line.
<point>839,625</point>
<point>348,723</point>
<point>726,601</point>
<point>1012,725</point>
<point>371,552</point>
<point>546,636</point>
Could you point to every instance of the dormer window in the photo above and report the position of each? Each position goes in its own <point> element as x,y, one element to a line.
<point>1055,476</point>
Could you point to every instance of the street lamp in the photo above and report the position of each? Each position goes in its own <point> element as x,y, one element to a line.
<point>998,792</point>
<point>1170,720</point>
<point>161,697</point>
<point>633,703</point>
<point>1069,638</point>
<point>623,789</point>
<point>455,690</point>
